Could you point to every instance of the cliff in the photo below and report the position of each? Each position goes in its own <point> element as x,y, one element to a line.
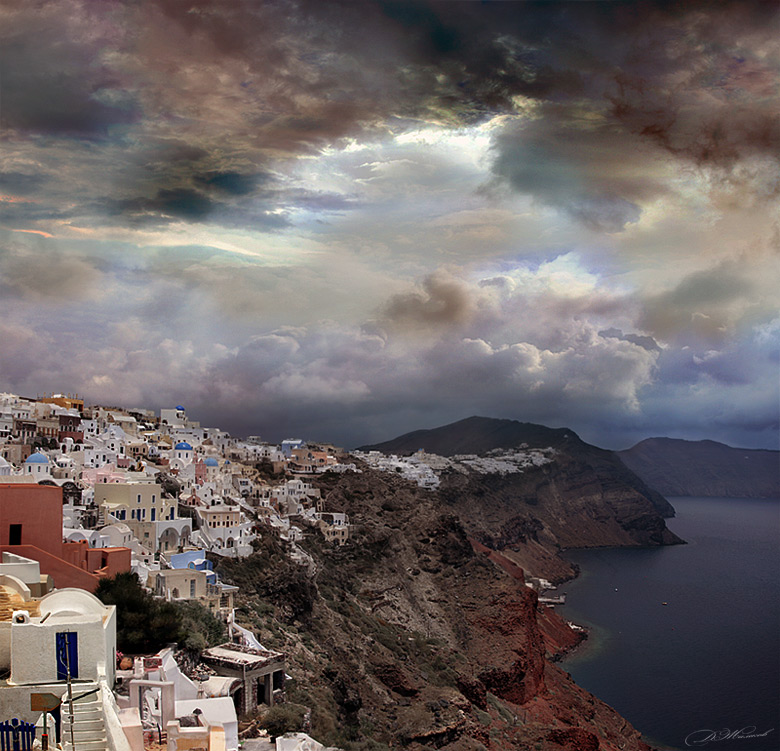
<point>704,468</point>
<point>567,503</point>
<point>419,632</point>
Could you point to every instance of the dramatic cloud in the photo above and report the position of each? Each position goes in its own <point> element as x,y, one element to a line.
<point>347,219</point>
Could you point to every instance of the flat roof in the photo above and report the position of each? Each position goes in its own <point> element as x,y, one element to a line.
<point>241,656</point>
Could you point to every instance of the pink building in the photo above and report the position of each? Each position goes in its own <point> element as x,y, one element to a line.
<point>106,473</point>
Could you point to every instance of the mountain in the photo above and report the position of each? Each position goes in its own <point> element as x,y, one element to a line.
<point>476,435</point>
<point>479,435</point>
<point>704,468</point>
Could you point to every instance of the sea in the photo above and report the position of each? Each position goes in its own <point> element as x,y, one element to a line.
<point>684,640</point>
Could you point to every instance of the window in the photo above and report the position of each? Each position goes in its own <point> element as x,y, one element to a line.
<point>153,513</point>
<point>15,534</point>
<point>138,498</point>
<point>192,588</point>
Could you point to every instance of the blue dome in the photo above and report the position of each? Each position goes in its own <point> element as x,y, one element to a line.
<point>178,406</point>
<point>183,446</point>
<point>37,458</point>
<point>211,462</point>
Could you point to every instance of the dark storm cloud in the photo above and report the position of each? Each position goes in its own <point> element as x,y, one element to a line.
<point>192,205</point>
<point>292,77</point>
<point>19,214</point>
<point>674,81</point>
<point>176,203</point>
<point>231,183</point>
<point>594,173</point>
<point>53,80</point>
<point>21,183</point>
<point>709,97</point>
<point>217,93</point>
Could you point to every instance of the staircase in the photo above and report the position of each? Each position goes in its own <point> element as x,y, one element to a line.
<point>89,728</point>
<point>11,600</point>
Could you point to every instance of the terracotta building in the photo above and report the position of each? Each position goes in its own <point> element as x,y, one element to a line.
<point>31,526</point>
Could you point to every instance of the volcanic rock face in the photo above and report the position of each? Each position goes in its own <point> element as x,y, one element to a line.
<point>420,633</point>
<point>705,468</point>
<point>564,504</point>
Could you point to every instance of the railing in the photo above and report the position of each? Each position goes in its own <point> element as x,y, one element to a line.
<point>117,739</point>
<point>16,735</point>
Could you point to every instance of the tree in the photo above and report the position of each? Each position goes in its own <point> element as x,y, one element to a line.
<point>144,624</point>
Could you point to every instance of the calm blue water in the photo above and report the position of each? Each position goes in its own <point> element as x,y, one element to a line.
<point>710,658</point>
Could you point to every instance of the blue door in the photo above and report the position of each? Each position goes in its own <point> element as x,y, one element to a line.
<point>67,653</point>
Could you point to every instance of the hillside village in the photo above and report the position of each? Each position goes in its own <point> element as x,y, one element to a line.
<point>95,497</point>
<point>93,492</point>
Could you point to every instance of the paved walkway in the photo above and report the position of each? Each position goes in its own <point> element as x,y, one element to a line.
<point>257,744</point>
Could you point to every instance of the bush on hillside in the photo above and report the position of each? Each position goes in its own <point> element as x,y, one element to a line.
<point>143,624</point>
<point>283,718</point>
<point>202,628</point>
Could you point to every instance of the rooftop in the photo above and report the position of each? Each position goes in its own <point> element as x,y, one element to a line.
<point>237,655</point>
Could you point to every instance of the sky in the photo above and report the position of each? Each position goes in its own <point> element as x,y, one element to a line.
<point>346,220</point>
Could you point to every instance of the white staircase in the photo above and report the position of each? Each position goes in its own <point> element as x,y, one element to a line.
<point>89,728</point>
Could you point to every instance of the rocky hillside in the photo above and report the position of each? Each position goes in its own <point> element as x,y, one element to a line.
<point>704,468</point>
<point>478,435</point>
<point>419,633</point>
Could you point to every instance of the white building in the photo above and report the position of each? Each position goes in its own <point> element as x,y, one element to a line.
<point>38,467</point>
<point>73,627</point>
<point>225,530</point>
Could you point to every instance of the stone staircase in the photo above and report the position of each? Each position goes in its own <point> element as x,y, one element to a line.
<point>11,600</point>
<point>89,728</point>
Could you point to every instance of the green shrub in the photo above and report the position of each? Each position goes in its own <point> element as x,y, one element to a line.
<point>283,718</point>
<point>202,628</point>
